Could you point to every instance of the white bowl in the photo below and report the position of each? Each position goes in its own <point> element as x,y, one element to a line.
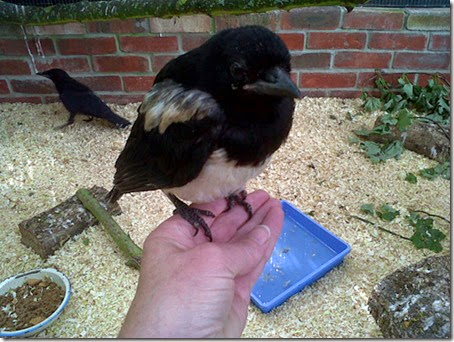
<point>18,280</point>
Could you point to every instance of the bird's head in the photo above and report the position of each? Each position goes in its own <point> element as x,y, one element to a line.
<point>54,74</point>
<point>254,60</point>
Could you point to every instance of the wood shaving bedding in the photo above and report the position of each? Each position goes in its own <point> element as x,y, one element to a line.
<point>317,170</point>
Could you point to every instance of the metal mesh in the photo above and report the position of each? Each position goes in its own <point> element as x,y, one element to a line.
<point>407,3</point>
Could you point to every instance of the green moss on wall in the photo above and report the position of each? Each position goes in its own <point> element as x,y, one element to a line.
<point>121,9</point>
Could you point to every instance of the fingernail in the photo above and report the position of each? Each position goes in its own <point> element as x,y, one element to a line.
<point>261,234</point>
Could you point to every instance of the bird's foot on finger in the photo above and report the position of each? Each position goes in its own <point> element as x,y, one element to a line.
<point>193,216</point>
<point>239,198</point>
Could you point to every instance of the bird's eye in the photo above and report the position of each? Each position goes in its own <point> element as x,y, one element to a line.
<point>237,70</point>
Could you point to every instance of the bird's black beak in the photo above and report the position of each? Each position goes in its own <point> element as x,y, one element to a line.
<point>275,82</point>
<point>42,74</point>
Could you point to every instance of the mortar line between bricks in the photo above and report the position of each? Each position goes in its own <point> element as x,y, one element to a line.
<point>180,43</point>
<point>375,51</point>
<point>414,32</point>
<point>150,63</point>
<point>99,92</point>
<point>10,87</point>
<point>342,17</point>
<point>141,93</point>
<point>331,59</point>
<point>367,70</point>
<point>428,41</point>
<point>122,83</point>
<point>279,22</point>
<point>391,62</point>
<point>295,70</point>
<point>368,38</point>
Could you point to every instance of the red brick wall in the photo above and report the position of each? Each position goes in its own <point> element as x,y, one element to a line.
<point>334,52</point>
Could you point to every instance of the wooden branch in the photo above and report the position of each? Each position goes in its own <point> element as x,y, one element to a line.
<point>433,215</point>
<point>121,9</point>
<point>50,230</point>
<point>381,228</point>
<point>422,138</point>
<point>123,241</point>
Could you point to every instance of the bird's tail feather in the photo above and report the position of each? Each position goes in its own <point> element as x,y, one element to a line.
<point>113,195</point>
<point>119,121</point>
<point>115,119</point>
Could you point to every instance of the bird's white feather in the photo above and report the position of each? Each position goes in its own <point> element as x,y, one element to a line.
<point>219,178</point>
<point>168,102</point>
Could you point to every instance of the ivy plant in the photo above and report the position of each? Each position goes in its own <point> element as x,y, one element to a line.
<point>403,106</point>
<point>424,233</point>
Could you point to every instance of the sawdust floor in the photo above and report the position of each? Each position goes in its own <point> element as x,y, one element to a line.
<point>317,169</point>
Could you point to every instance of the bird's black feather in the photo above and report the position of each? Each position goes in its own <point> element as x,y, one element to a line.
<point>248,126</point>
<point>151,160</point>
<point>79,99</point>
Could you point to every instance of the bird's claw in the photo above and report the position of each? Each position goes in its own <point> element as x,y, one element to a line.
<point>239,198</point>
<point>193,216</point>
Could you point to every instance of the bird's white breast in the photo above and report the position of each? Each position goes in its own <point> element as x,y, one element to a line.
<point>218,178</point>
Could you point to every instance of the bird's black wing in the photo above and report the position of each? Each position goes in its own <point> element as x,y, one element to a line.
<point>173,136</point>
<point>86,102</point>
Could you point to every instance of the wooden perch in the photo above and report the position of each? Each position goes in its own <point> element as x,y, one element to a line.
<point>422,138</point>
<point>50,230</point>
<point>123,241</point>
<point>121,9</point>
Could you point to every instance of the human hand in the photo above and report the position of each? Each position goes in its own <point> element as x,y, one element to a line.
<point>189,287</point>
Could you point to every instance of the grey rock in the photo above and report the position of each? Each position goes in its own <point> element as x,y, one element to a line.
<point>414,302</point>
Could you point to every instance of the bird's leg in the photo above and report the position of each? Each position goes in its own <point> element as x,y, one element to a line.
<point>69,122</point>
<point>239,198</point>
<point>89,119</point>
<point>192,215</point>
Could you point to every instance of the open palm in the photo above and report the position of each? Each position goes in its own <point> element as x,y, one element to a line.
<point>189,287</point>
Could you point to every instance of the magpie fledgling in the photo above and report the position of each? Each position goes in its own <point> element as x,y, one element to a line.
<point>211,122</point>
<point>78,98</point>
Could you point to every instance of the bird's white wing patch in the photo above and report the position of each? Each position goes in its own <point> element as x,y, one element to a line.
<point>218,178</point>
<point>168,103</point>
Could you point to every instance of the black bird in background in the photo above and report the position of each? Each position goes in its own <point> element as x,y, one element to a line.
<point>78,98</point>
<point>211,122</point>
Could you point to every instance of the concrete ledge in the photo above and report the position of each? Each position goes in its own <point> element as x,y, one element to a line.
<point>424,20</point>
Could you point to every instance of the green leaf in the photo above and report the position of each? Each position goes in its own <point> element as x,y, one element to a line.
<point>372,150</point>
<point>368,208</point>
<point>442,103</point>
<point>377,152</point>
<point>433,99</point>
<point>428,173</point>
<point>393,150</point>
<point>389,119</point>
<point>381,129</point>
<point>408,90</point>
<point>372,104</point>
<point>413,218</point>
<point>411,178</point>
<point>353,140</point>
<point>404,119</point>
<point>387,213</point>
<point>425,236</point>
<point>443,170</point>
<point>389,105</point>
<point>85,241</point>
<point>362,132</point>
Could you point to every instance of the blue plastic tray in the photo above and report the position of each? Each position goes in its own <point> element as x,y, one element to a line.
<point>304,253</point>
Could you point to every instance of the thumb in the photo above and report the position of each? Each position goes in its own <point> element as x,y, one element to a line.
<point>248,251</point>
